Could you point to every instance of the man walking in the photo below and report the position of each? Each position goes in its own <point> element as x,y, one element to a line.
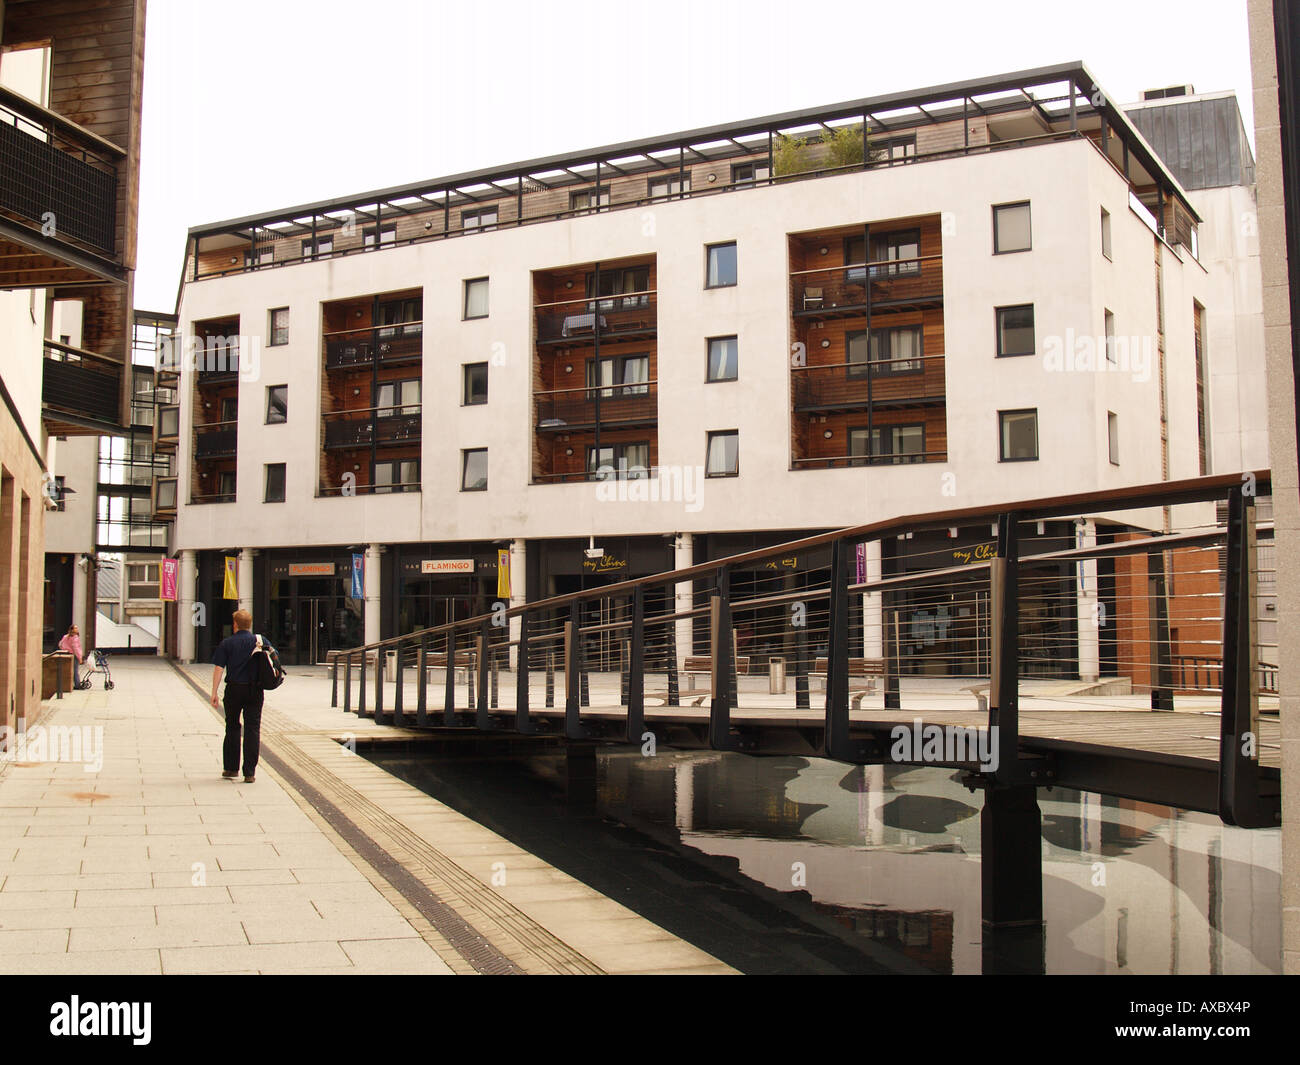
<point>234,655</point>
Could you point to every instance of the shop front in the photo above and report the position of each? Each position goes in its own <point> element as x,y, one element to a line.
<point>305,597</point>
<point>435,584</point>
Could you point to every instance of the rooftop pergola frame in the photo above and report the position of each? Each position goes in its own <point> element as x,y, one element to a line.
<point>1020,109</point>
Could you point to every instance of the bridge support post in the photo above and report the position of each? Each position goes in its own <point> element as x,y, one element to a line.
<point>379,687</point>
<point>361,686</point>
<point>550,679</point>
<point>721,647</point>
<point>835,738</point>
<point>801,700</point>
<point>522,723</point>
<point>890,641</point>
<point>1004,684</point>
<point>674,682</point>
<point>334,683</point>
<point>422,684</point>
<point>1162,681</point>
<point>481,718</point>
<point>449,684</point>
<point>580,772</point>
<point>347,684</point>
<point>573,727</point>
<point>1011,880</point>
<point>399,718</point>
<point>636,669</point>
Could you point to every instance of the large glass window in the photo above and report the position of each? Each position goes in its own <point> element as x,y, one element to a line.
<point>279,326</point>
<point>722,457</point>
<point>1016,330</point>
<point>670,186</point>
<point>398,397</point>
<point>895,350</point>
<point>619,375</point>
<point>613,282</point>
<point>474,470</point>
<point>741,173</point>
<point>887,443</point>
<point>589,199</point>
<point>721,265</point>
<point>1018,435</point>
<point>387,235</point>
<point>478,218</point>
<point>619,461</point>
<point>1011,229</point>
<point>895,254</point>
<point>723,359</point>
<point>398,475</point>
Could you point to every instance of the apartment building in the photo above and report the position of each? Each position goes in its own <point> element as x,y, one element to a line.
<point>71,75</point>
<point>395,408</point>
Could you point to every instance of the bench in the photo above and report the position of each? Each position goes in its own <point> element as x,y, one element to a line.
<point>703,666</point>
<point>860,669</point>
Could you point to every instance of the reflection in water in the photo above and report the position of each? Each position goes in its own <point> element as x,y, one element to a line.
<point>881,862</point>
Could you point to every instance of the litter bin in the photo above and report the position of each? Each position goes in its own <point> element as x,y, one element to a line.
<point>776,676</point>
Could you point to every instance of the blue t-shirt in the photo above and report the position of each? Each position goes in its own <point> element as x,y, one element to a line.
<point>234,653</point>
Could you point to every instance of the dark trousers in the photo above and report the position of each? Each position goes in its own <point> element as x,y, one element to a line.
<point>245,699</point>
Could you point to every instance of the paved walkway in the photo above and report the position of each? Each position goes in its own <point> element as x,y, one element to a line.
<point>151,863</point>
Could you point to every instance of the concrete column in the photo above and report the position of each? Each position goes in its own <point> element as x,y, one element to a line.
<point>872,607</point>
<point>373,593</point>
<point>684,795</point>
<point>185,584</point>
<point>244,580</point>
<point>1090,621</point>
<point>683,556</point>
<point>81,617</point>
<point>518,590</point>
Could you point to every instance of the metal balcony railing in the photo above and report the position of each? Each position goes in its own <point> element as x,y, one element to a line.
<point>215,440</point>
<point>382,426</point>
<point>841,291</point>
<point>578,321</point>
<point>566,409</point>
<point>81,383</point>
<point>386,344</point>
<point>57,177</point>
<point>876,383</point>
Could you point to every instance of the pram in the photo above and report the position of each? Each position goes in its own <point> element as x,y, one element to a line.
<point>101,666</point>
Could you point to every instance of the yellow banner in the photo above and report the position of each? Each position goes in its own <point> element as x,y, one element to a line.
<point>231,590</point>
<point>503,574</point>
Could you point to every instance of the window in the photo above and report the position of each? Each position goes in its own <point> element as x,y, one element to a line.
<point>742,173</point>
<point>478,218</point>
<point>387,235</point>
<point>324,246</point>
<point>229,409</point>
<point>723,359</point>
<point>1110,338</point>
<point>397,397</point>
<point>1105,232</point>
<point>893,444</point>
<point>279,326</point>
<point>629,279</point>
<point>277,404</point>
<point>589,199</point>
<point>476,298</point>
<point>855,257</point>
<point>474,470</point>
<point>619,462</point>
<point>169,422</point>
<point>1112,436</point>
<point>142,580</point>
<point>57,494</point>
<point>891,351</point>
<point>1016,330</point>
<point>890,150</point>
<point>721,260</point>
<point>475,387</point>
<point>619,376</point>
<point>1018,435</point>
<point>260,257</point>
<point>165,494</point>
<point>1011,228</point>
<point>274,483</point>
<point>670,186</point>
<point>399,475</point>
<point>400,318</point>
<point>226,485</point>
<point>895,254</point>
<point>722,457</point>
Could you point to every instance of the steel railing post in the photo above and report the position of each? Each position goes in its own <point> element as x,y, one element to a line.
<point>836,736</point>
<point>722,665</point>
<point>636,669</point>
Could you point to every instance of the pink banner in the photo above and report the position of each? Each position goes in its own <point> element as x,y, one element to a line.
<point>167,579</point>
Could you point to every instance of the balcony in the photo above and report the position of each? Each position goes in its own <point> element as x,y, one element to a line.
<point>381,426</point>
<point>842,291</point>
<point>388,345</point>
<point>569,409</point>
<point>80,391</point>
<point>218,368</point>
<point>879,384</point>
<point>54,171</point>
<point>215,441</point>
<point>576,323</point>
<point>837,462</point>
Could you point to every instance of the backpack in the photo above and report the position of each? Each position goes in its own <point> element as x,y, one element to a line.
<point>268,674</point>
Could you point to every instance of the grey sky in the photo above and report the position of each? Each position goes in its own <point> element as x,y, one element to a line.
<point>253,105</point>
